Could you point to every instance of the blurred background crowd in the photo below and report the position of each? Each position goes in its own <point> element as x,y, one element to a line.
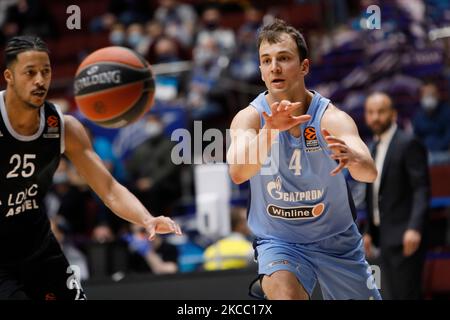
<point>206,67</point>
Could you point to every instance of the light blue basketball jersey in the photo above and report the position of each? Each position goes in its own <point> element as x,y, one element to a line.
<point>293,197</point>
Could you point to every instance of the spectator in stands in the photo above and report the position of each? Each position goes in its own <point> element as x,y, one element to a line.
<point>117,35</point>
<point>29,17</point>
<point>4,5</point>
<point>190,247</point>
<point>245,62</point>
<point>106,224</point>
<point>178,20</point>
<point>103,147</point>
<point>397,202</point>
<point>205,96</point>
<point>432,123</point>
<point>438,11</point>
<point>155,178</point>
<point>73,202</point>
<point>135,35</point>
<point>152,31</point>
<point>235,250</point>
<point>166,49</point>
<point>125,12</point>
<point>211,28</point>
<point>130,11</point>
<point>158,256</point>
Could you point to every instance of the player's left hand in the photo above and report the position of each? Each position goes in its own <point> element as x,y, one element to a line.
<point>340,151</point>
<point>411,241</point>
<point>161,225</point>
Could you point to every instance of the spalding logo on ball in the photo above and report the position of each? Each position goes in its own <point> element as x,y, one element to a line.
<point>114,86</point>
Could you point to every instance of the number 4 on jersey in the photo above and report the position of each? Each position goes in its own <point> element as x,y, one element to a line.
<point>295,163</point>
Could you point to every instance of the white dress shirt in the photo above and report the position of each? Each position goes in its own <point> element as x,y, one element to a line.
<point>384,140</point>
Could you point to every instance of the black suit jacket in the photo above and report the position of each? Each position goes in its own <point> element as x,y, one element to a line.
<point>404,193</point>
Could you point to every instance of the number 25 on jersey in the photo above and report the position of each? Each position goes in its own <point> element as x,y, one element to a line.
<point>21,166</point>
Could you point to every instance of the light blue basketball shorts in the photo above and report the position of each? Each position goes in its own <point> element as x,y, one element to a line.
<point>338,263</point>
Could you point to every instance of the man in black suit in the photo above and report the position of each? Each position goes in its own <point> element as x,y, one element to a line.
<point>397,202</point>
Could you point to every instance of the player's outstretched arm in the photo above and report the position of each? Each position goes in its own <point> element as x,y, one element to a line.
<point>341,134</point>
<point>115,196</point>
<point>244,139</point>
<point>250,146</point>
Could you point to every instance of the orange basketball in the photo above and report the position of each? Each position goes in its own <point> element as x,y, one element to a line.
<point>114,86</point>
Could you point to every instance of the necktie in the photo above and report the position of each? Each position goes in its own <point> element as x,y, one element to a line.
<point>373,148</point>
<point>376,184</point>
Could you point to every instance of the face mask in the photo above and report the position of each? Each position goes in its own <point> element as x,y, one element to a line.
<point>59,178</point>
<point>211,25</point>
<point>205,56</point>
<point>165,58</point>
<point>253,25</point>
<point>429,103</point>
<point>117,38</point>
<point>134,39</point>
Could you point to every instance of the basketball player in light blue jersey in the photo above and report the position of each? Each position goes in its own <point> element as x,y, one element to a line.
<point>301,210</point>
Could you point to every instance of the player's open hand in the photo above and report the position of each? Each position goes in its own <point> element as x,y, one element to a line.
<point>340,152</point>
<point>281,117</point>
<point>161,225</point>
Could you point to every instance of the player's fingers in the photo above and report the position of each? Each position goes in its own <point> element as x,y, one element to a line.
<point>337,148</point>
<point>265,116</point>
<point>333,139</point>
<point>274,106</point>
<point>174,227</point>
<point>341,156</point>
<point>325,133</point>
<point>151,232</point>
<point>302,118</point>
<point>171,225</point>
<point>338,168</point>
<point>284,103</point>
<point>178,229</point>
<point>288,107</point>
<point>293,106</point>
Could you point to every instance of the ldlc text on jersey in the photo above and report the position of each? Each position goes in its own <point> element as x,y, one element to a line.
<point>22,201</point>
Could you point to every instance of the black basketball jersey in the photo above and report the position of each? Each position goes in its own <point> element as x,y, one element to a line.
<point>27,165</point>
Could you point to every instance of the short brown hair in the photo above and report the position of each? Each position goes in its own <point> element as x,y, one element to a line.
<point>272,34</point>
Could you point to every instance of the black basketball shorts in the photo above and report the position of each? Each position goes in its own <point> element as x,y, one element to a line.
<point>45,276</point>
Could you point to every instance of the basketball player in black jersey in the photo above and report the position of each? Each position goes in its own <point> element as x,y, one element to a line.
<point>33,135</point>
